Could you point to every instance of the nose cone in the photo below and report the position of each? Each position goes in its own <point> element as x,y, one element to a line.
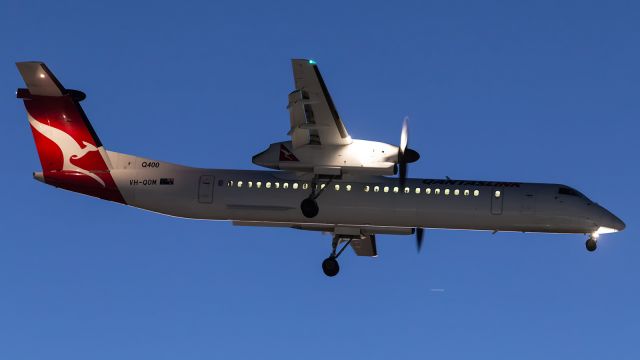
<point>611,222</point>
<point>617,223</point>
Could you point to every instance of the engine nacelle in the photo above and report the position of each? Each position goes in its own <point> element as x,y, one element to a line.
<point>359,157</point>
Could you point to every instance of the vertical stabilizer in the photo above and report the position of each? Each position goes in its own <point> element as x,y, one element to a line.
<point>70,151</point>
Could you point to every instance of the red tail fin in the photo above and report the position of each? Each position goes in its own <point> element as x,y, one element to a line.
<point>71,154</point>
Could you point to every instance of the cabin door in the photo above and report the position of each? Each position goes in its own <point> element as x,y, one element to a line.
<point>497,197</point>
<point>205,189</point>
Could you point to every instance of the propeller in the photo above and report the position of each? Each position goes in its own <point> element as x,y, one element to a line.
<point>419,237</point>
<point>405,154</point>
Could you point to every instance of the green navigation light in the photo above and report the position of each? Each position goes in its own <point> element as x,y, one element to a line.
<point>312,62</point>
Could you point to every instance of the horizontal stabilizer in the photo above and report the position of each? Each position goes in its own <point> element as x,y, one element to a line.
<point>39,80</point>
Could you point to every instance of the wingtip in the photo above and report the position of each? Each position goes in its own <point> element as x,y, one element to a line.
<point>306,61</point>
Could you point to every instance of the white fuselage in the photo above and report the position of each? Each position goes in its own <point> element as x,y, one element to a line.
<point>275,196</point>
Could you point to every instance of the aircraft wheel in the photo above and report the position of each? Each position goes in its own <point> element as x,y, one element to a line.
<point>309,208</point>
<point>330,266</point>
<point>591,244</point>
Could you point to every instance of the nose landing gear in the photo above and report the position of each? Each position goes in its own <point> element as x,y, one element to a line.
<point>591,244</point>
<point>330,265</point>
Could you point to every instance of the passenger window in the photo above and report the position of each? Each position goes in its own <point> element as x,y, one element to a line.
<point>476,192</point>
<point>456,192</point>
<point>239,184</point>
<point>396,189</point>
<point>417,190</point>
<point>277,184</point>
<point>250,184</point>
<point>258,184</point>
<point>268,185</point>
<point>427,191</point>
<point>497,194</point>
<point>407,190</point>
<point>230,183</point>
<point>376,188</point>
<point>305,186</point>
<point>446,191</point>
<point>466,193</point>
<point>385,189</point>
<point>348,187</point>
<point>285,185</point>
<point>437,191</point>
<point>366,188</point>
<point>295,186</point>
<point>337,187</point>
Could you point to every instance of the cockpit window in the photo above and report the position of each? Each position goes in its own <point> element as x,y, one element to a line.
<point>569,191</point>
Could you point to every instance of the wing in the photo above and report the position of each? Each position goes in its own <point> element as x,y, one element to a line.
<point>314,118</point>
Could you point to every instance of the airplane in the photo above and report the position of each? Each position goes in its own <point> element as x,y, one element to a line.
<point>319,180</point>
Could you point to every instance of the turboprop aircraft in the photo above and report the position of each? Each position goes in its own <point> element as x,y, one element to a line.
<point>322,179</point>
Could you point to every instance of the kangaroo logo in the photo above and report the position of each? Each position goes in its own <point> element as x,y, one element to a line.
<point>286,154</point>
<point>69,147</point>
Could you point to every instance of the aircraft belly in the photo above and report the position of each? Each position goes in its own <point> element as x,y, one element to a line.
<point>335,208</point>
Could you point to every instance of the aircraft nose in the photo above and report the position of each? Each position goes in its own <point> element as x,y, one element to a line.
<point>611,221</point>
<point>617,223</point>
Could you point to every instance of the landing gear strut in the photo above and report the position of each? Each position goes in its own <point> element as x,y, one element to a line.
<point>591,244</point>
<point>330,265</point>
<point>309,206</point>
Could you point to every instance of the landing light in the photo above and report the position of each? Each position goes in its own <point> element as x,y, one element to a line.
<point>42,76</point>
<point>605,230</point>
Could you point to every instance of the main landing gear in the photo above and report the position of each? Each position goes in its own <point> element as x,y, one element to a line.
<point>330,265</point>
<point>591,244</point>
<point>309,206</point>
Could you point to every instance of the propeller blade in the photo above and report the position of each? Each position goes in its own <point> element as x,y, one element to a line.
<point>404,135</point>
<point>402,150</point>
<point>419,237</point>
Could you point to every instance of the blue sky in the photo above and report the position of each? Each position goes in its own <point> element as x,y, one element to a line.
<point>496,90</point>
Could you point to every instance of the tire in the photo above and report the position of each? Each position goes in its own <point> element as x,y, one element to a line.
<point>330,266</point>
<point>309,208</point>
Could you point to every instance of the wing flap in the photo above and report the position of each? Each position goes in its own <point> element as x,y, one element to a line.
<point>365,245</point>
